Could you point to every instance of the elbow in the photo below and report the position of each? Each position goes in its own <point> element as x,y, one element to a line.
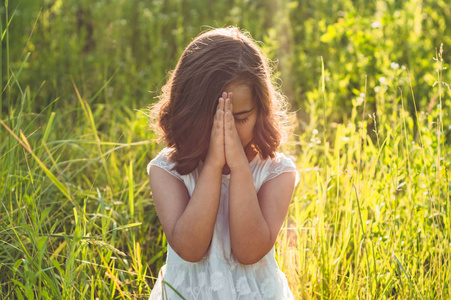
<point>249,261</point>
<point>251,252</point>
<point>247,258</point>
<point>189,248</point>
<point>192,255</point>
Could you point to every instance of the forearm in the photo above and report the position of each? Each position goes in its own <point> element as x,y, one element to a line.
<point>249,232</point>
<point>194,229</point>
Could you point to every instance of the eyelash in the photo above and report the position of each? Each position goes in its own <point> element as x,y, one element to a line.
<point>241,121</point>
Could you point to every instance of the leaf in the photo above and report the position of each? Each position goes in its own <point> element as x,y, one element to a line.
<point>17,264</point>
<point>165,282</point>
<point>25,144</point>
<point>125,226</point>
<point>57,265</point>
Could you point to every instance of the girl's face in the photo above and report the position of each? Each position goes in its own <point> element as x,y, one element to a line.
<point>244,109</point>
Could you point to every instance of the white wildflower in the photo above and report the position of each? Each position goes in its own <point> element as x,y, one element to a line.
<point>375,24</point>
<point>359,100</point>
<point>394,65</point>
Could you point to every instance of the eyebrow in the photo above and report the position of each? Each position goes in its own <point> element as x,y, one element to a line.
<point>243,112</point>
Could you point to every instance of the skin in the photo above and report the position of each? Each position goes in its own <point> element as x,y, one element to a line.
<point>254,218</point>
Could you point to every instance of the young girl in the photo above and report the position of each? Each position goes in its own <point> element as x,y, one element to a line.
<point>221,190</point>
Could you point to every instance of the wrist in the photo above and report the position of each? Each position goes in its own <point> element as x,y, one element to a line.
<point>213,165</point>
<point>236,158</point>
<point>239,167</point>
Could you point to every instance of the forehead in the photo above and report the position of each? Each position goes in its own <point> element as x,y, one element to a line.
<point>243,96</point>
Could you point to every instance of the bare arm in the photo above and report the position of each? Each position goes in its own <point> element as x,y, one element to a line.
<point>254,219</point>
<point>189,223</point>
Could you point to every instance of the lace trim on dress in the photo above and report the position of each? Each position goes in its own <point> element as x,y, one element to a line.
<point>246,285</point>
<point>162,161</point>
<point>282,164</point>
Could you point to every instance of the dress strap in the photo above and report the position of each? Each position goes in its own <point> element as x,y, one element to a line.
<point>163,161</point>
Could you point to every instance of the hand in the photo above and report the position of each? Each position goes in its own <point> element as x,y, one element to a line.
<point>234,152</point>
<point>216,154</point>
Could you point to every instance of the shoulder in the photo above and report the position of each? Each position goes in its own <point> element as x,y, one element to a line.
<point>278,165</point>
<point>163,161</point>
<point>281,159</point>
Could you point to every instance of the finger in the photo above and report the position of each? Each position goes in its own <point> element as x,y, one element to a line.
<point>220,122</point>
<point>228,103</point>
<point>225,104</point>
<point>220,104</point>
<point>230,120</point>
<point>224,97</point>
<point>215,118</point>
<point>215,124</point>
<point>220,107</point>
<point>213,132</point>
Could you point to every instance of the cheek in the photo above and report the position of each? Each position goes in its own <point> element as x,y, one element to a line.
<point>246,132</point>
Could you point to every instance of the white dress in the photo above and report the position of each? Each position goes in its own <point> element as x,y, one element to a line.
<point>218,275</point>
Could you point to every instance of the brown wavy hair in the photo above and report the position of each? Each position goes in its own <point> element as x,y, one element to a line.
<point>184,114</point>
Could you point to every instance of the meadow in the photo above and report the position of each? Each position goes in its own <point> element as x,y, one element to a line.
<point>369,91</point>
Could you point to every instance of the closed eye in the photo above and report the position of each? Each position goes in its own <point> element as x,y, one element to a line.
<point>241,121</point>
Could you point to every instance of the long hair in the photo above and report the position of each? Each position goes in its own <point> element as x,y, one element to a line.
<point>188,101</point>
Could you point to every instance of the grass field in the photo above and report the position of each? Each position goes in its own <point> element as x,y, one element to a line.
<point>368,86</point>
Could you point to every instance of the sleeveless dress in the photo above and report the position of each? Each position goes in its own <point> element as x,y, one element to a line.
<point>218,275</point>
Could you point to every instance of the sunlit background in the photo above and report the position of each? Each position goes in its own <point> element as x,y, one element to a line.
<point>367,82</point>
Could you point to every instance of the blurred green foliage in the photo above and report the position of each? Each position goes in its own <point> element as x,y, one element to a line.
<point>137,42</point>
<point>77,77</point>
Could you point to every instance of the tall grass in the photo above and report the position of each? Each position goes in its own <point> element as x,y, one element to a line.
<point>370,218</point>
<point>377,225</point>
